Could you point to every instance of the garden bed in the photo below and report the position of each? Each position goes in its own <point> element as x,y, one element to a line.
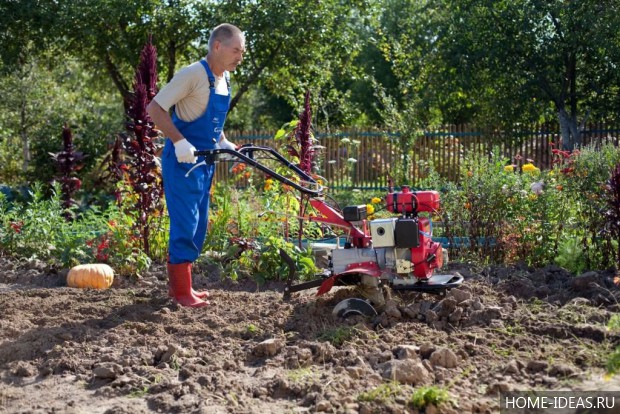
<point>129,349</point>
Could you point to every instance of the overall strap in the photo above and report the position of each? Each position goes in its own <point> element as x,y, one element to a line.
<point>209,74</point>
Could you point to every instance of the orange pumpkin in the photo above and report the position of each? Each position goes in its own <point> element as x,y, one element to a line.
<point>94,276</point>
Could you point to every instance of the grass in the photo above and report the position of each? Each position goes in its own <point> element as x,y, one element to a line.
<point>382,393</point>
<point>499,350</point>
<point>300,374</point>
<point>511,329</point>
<point>536,306</point>
<point>139,393</point>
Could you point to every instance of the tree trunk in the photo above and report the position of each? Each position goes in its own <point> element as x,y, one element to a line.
<point>23,133</point>
<point>172,60</point>
<point>571,137</point>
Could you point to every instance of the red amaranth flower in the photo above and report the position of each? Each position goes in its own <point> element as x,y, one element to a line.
<point>68,162</point>
<point>17,226</point>
<point>304,138</point>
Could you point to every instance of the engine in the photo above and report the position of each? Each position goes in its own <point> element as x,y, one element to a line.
<point>401,247</point>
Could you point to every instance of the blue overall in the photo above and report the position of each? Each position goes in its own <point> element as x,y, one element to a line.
<point>187,198</point>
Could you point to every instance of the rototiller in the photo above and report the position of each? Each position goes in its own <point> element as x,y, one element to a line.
<point>397,252</point>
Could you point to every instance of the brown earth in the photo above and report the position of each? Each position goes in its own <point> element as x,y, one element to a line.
<point>129,349</point>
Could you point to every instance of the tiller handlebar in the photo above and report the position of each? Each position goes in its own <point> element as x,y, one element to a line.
<point>246,153</point>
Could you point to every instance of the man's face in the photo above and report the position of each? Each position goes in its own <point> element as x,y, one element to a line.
<point>231,52</point>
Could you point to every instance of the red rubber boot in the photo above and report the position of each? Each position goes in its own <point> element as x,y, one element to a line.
<point>180,277</point>
<point>202,294</point>
<point>199,293</point>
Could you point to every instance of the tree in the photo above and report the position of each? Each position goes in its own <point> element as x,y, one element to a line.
<point>564,53</point>
<point>294,46</point>
<point>39,97</point>
<point>505,61</point>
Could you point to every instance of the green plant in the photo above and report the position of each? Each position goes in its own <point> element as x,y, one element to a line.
<point>586,176</point>
<point>425,396</point>
<point>338,335</point>
<point>382,393</point>
<point>613,360</point>
<point>301,374</point>
<point>611,214</point>
<point>614,323</point>
<point>267,263</point>
<point>37,229</point>
<point>139,392</point>
<point>571,256</point>
<point>499,212</point>
<point>613,363</point>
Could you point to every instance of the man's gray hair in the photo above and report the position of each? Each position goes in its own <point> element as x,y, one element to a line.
<point>224,32</point>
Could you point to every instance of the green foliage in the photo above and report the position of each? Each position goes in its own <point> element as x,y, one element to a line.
<point>381,394</point>
<point>250,227</point>
<point>338,335</point>
<point>36,229</point>
<point>524,214</point>
<point>312,48</point>
<point>300,375</point>
<point>425,396</point>
<point>292,46</point>
<point>613,360</point>
<point>613,363</point>
<point>570,256</point>
<point>252,329</point>
<point>39,97</point>
<point>614,323</point>
<point>498,63</point>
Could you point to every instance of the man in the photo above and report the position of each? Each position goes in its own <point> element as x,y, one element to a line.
<point>200,95</point>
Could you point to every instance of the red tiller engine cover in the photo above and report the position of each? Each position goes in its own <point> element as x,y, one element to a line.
<point>429,254</point>
<point>408,202</point>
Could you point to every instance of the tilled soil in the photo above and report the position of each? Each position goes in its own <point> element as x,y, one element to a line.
<point>130,349</point>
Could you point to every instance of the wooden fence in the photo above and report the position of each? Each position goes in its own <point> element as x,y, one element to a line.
<point>363,158</point>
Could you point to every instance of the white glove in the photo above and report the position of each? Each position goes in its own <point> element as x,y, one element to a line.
<point>185,151</point>
<point>226,144</point>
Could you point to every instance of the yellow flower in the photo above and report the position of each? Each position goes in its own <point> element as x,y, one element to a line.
<point>470,174</point>
<point>268,184</point>
<point>529,168</point>
<point>375,200</point>
<point>532,197</point>
<point>370,209</point>
<point>509,168</point>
